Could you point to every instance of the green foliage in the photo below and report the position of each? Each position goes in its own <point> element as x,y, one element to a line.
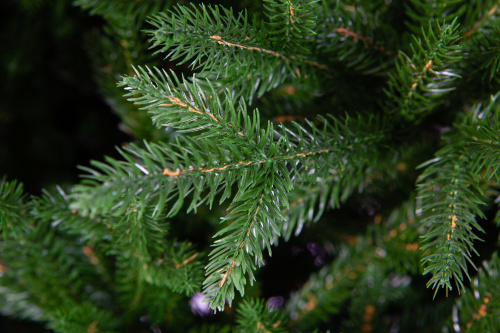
<point>487,51</point>
<point>483,132</point>
<point>420,81</point>
<point>423,12</point>
<point>379,260</point>
<point>11,206</point>
<point>49,271</point>
<point>212,37</point>
<point>325,188</point>
<point>451,200</point>
<point>356,36</point>
<point>218,151</point>
<point>290,24</point>
<point>255,316</point>
<point>82,318</point>
<point>348,98</point>
<point>200,32</point>
<point>480,308</point>
<point>451,196</point>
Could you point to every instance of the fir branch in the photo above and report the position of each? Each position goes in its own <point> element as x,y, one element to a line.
<point>420,81</point>
<point>291,23</point>
<point>11,208</point>
<point>451,194</point>
<point>203,32</point>
<point>39,265</point>
<point>479,15</point>
<point>254,226</point>
<point>482,130</point>
<point>423,12</point>
<point>480,308</point>
<point>158,175</point>
<point>229,258</point>
<point>157,261</point>
<point>328,181</point>
<point>85,317</point>
<point>308,306</point>
<point>368,42</point>
<point>254,316</point>
<point>183,267</point>
<point>450,199</point>
<point>54,206</point>
<point>208,28</point>
<point>484,55</point>
<point>228,49</point>
<point>162,173</point>
<point>342,282</point>
<point>141,232</point>
<point>352,37</point>
<point>313,195</point>
<point>186,106</point>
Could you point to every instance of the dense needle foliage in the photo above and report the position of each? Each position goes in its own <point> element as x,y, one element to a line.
<point>370,128</point>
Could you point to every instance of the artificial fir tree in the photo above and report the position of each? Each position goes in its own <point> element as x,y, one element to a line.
<point>371,127</point>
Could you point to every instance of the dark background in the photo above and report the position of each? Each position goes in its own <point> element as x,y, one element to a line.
<point>51,115</point>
